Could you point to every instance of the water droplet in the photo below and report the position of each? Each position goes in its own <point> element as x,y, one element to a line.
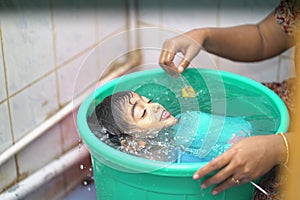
<point>103,130</point>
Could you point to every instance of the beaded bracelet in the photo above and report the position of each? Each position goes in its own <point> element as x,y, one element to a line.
<point>286,147</point>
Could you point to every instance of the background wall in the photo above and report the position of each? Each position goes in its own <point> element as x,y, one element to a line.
<point>186,15</point>
<point>44,43</point>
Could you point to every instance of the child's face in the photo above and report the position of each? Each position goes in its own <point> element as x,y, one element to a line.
<point>146,115</point>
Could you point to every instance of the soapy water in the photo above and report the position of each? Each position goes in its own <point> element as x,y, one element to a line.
<point>250,106</point>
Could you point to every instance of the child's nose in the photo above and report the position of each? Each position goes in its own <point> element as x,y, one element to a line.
<point>155,107</point>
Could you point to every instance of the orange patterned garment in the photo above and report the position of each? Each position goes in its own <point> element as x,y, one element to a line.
<point>286,14</point>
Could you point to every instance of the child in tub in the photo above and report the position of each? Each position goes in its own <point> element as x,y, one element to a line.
<point>136,125</point>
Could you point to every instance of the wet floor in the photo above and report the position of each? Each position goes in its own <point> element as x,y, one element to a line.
<point>83,192</point>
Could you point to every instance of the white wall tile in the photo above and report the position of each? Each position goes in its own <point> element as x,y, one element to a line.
<point>2,79</point>
<point>111,31</point>
<point>234,12</point>
<point>74,25</point>
<point>8,174</point>
<point>76,76</point>
<point>153,37</point>
<point>186,15</point>
<point>150,12</point>
<point>27,43</point>
<point>290,53</point>
<point>70,136</point>
<point>263,71</point>
<point>151,43</point>
<point>33,105</point>
<point>286,68</point>
<point>5,129</point>
<point>108,51</point>
<point>43,150</point>
<point>287,64</point>
<point>111,16</point>
<point>150,58</point>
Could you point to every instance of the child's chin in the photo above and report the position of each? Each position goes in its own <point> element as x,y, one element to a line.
<point>170,122</point>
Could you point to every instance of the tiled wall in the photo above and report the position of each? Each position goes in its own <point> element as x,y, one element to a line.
<point>45,42</point>
<point>43,46</point>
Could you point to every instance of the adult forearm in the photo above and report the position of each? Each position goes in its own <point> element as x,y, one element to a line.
<point>251,42</point>
<point>240,43</point>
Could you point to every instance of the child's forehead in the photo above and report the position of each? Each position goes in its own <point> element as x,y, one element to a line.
<point>134,99</point>
<point>136,96</point>
<point>131,99</point>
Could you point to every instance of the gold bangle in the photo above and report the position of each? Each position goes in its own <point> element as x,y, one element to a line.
<point>286,147</point>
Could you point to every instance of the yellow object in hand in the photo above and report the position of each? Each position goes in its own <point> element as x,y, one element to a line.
<point>188,92</point>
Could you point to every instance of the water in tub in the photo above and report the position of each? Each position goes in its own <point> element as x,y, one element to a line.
<point>183,141</point>
<point>199,135</point>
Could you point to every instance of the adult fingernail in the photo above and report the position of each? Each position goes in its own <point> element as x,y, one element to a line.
<point>196,176</point>
<point>180,69</point>
<point>203,186</point>
<point>214,192</point>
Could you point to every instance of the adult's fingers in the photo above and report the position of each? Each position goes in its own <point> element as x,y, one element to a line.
<point>217,163</point>
<point>184,63</point>
<point>219,177</point>
<point>166,62</point>
<point>189,54</point>
<point>232,172</point>
<point>229,182</point>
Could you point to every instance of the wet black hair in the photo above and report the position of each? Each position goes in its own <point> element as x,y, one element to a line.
<point>110,115</point>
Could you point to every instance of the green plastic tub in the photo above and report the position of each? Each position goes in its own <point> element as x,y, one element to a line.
<point>122,176</point>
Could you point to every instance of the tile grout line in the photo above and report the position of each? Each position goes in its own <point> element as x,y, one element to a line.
<point>59,66</point>
<point>52,71</point>
<point>56,68</point>
<point>54,54</point>
<point>6,88</point>
<point>15,159</point>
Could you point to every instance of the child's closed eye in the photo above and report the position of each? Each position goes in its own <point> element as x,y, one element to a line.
<point>144,113</point>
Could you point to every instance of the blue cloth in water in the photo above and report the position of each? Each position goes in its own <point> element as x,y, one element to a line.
<point>202,136</point>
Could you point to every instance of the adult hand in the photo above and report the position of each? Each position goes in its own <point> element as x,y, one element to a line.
<point>185,44</point>
<point>246,160</point>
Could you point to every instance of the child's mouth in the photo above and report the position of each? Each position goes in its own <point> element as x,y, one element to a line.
<point>165,115</point>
